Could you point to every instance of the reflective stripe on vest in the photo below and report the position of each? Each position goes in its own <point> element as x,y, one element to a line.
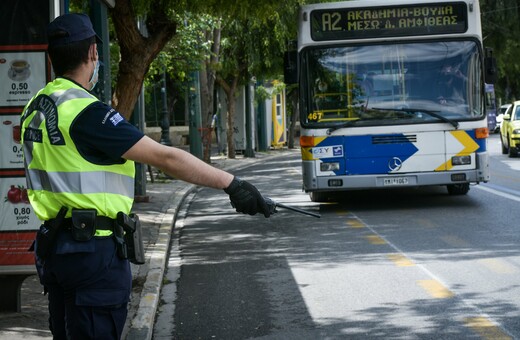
<point>91,182</point>
<point>57,174</point>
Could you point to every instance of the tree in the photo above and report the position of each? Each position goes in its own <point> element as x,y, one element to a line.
<point>267,19</point>
<point>500,31</point>
<point>253,46</point>
<point>207,83</point>
<point>138,51</point>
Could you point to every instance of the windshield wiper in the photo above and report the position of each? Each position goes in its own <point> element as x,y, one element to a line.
<point>428,112</point>
<point>339,126</point>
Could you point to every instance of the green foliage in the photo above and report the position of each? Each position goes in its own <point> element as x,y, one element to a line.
<point>264,92</point>
<point>185,52</point>
<point>500,31</point>
<point>256,44</point>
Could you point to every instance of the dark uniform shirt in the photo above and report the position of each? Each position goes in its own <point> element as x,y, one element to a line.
<point>102,135</point>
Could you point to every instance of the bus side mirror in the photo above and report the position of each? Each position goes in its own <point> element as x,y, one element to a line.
<point>290,69</point>
<point>490,65</point>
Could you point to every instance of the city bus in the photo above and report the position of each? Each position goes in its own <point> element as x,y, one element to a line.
<point>392,95</point>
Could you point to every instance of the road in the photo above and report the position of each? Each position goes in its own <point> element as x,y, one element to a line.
<point>403,264</point>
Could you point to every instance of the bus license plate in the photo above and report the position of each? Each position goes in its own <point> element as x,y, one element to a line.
<point>396,181</point>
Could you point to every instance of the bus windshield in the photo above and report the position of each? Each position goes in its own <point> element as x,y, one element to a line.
<point>389,84</point>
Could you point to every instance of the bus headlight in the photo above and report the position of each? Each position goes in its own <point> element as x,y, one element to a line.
<point>329,166</point>
<point>461,160</point>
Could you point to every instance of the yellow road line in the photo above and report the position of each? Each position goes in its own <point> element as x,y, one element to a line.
<point>436,289</point>
<point>426,223</point>
<point>374,239</point>
<point>455,241</point>
<point>498,266</point>
<point>400,260</point>
<point>485,328</point>
<point>355,224</point>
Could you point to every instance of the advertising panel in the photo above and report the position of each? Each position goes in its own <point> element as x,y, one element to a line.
<point>24,70</point>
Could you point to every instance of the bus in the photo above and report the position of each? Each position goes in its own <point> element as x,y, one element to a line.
<point>391,95</point>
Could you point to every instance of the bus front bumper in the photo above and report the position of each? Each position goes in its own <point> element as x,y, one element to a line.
<point>313,182</point>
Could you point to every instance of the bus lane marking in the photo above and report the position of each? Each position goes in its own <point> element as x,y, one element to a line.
<point>498,266</point>
<point>436,289</point>
<point>498,193</point>
<point>355,224</point>
<point>483,325</point>
<point>375,239</point>
<point>400,260</point>
<point>425,223</point>
<point>485,328</point>
<point>455,241</point>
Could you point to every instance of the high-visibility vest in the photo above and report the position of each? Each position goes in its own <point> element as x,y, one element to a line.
<point>57,175</point>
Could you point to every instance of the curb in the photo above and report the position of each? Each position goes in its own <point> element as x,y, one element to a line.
<point>141,326</point>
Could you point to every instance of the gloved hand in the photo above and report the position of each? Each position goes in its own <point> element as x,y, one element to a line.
<point>246,198</point>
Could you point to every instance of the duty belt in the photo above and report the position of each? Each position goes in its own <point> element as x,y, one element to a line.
<point>104,225</point>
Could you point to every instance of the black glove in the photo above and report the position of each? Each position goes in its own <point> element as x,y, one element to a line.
<point>246,198</point>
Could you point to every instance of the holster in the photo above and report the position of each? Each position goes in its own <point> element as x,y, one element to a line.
<point>119,235</point>
<point>46,236</point>
<point>132,237</point>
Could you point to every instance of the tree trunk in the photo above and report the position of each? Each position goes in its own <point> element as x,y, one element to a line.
<point>206,111</point>
<point>231,126</point>
<point>230,91</point>
<point>137,51</point>
<point>207,85</point>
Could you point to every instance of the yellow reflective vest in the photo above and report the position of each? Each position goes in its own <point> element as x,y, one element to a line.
<point>57,175</point>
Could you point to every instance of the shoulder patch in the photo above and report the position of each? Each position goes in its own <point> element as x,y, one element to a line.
<point>116,119</point>
<point>112,116</point>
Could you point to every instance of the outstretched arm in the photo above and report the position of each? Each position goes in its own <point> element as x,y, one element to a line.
<point>178,163</point>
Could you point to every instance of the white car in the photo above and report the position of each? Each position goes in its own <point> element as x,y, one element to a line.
<point>500,115</point>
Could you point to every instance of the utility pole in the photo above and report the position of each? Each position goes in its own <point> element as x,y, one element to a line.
<point>99,17</point>
<point>165,124</point>
<point>250,89</point>
<point>195,120</point>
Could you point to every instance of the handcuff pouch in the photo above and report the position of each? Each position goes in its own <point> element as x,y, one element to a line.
<point>83,224</point>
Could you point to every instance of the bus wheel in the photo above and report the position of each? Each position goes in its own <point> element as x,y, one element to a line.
<point>319,196</point>
<point>458,189</point>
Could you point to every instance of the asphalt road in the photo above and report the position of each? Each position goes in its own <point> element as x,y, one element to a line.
<point>400,264</point>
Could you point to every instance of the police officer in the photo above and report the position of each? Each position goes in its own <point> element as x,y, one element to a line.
<point>79,158</point>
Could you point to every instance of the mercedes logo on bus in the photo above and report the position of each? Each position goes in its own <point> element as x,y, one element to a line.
<point>395,164</point>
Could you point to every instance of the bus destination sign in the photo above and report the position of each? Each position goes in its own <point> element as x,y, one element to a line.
<point>388,21</point>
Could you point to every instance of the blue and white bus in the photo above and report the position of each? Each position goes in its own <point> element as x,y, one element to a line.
<point>392,95</point>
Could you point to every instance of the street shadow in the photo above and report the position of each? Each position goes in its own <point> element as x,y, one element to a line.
<point>237,277</point>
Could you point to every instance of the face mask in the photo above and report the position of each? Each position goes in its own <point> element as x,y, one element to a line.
<point>94,79</point>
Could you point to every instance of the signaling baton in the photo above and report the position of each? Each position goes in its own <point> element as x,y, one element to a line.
<point>272,206</point>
